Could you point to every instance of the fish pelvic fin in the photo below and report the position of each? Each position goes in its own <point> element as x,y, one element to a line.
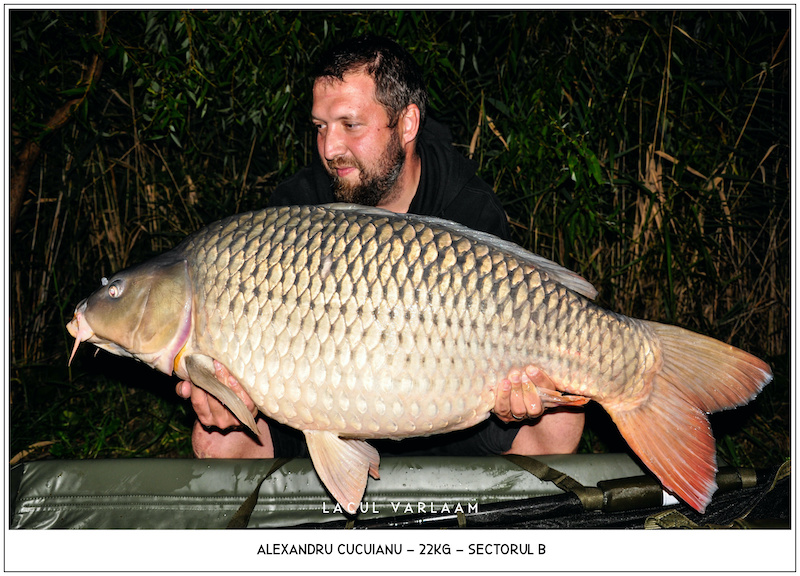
<point>343,465</point>
<point>670,430</point>
<point>201,372</point>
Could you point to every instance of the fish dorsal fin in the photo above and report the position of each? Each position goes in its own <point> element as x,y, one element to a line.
<point>343,465</point>
<point>201,372</point>
<point>568,278</point>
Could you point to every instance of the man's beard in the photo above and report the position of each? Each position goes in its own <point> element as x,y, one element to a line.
<point>372,187</point>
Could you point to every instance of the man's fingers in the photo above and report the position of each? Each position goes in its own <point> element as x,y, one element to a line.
<point>519,401</point>
<point>531,402</point>
<point>518,398</point>
<point>210,411</point>
<point>184,389</point>
<point>510,398</point>
<point>224,376</point>
<point>539,378</point>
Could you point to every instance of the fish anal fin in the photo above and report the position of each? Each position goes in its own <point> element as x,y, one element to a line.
<point>553,399</point>
<point>343,465</point>
<point>202,373</point>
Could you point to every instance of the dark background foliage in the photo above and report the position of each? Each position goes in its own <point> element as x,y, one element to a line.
<point>649,151</point>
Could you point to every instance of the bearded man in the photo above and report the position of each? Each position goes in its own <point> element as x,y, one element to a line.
<point>377,147</point>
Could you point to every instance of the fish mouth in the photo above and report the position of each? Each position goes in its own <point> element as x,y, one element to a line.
<point>79,329</point>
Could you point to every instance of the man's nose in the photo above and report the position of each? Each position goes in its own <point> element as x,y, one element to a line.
<point>331,143</point>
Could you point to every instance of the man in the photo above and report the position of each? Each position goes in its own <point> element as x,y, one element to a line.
<point>376,147</point>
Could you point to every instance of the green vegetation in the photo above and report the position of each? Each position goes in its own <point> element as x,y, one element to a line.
<point>649,151</point>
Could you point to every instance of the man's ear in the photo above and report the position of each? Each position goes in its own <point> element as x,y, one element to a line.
<point>409,124</point>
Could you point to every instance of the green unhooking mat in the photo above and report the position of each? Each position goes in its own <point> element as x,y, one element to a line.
<point>575,491</point>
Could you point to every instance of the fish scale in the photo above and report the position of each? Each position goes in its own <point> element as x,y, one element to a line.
<point>351,324</point>
<point>422,276</point>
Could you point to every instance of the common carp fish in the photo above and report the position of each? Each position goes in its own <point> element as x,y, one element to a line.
<point>352,323</point>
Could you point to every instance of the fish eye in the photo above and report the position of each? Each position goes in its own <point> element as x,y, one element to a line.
<point>115,289</point>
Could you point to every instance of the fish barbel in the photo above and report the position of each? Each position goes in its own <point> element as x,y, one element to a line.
<point>351,323</point>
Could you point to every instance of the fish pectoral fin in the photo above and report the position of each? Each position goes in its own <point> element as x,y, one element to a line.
<point>553,398</point>
<point>201,372</point>
<point>343,465</point>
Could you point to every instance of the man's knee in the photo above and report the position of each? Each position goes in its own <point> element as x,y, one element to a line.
<point>554,433</point>
<point>232,444</point>
<point>206,444</point>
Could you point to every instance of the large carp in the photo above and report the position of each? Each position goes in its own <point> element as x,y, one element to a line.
<point>351,323</point>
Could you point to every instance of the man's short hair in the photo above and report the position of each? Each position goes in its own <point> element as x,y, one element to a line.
<point>397,76</point>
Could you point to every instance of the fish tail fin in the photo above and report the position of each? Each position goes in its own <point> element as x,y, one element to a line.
<point>670,430</point>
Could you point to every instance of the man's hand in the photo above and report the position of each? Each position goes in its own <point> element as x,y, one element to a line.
<point>517,397</point>
<point>526,394</point>
<point>210,411</point>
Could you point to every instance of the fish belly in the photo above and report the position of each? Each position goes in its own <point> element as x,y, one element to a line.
<point>372,326</point>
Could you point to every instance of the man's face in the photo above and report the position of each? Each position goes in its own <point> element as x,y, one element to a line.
<point>363,155</point>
